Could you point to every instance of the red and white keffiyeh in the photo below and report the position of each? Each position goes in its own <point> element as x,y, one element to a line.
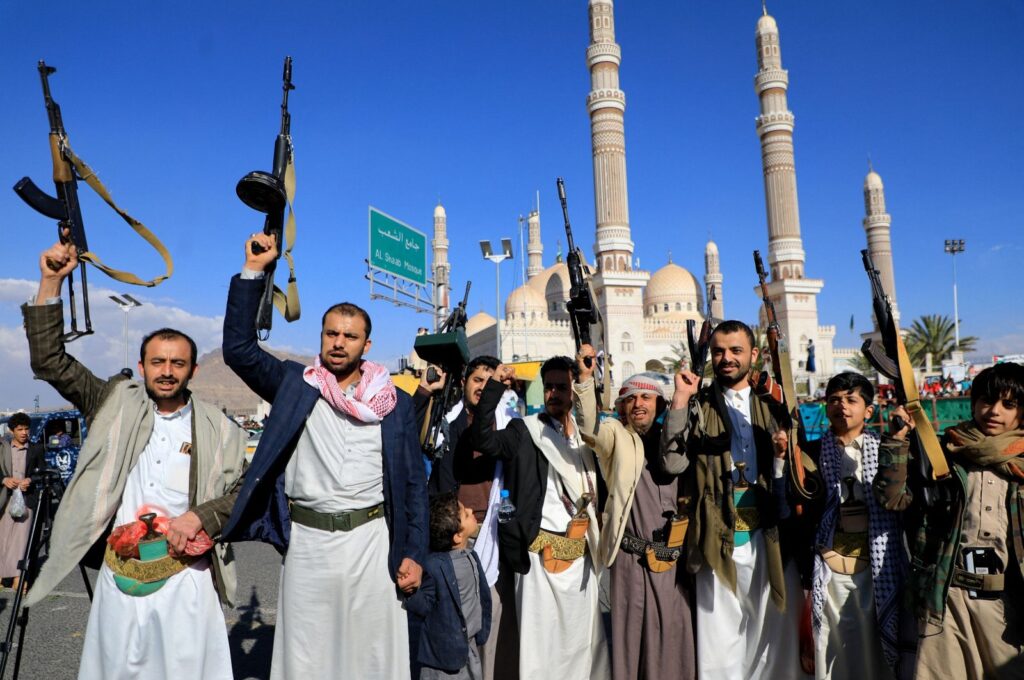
<point>374,397</point>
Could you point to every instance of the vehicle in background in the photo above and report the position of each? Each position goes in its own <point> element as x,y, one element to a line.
<point>61,433</point>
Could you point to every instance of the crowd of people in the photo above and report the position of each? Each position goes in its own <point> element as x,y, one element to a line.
<point>668,540</point>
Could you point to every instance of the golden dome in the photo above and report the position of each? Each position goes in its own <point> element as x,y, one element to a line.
<point>479,322</point>
<point>673,290</point>
<point>525,300</point>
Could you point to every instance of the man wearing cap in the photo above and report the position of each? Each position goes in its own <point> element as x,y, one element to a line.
<point>642,531</point>
<point>731,452</point>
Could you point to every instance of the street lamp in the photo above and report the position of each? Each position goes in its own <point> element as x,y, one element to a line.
<point>954,246</point>
<point>497,259</point>
<point>126,302</point>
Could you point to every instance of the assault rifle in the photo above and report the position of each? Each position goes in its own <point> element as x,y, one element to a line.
<point>271,193</point>
<point>64,208</point>
<point>449,349</point>
<point>780,388</point>
<point>890,358</point>
<point>582,312</point>
<point>67,170</point>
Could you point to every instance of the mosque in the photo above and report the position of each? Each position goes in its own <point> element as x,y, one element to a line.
<point>644,313</point>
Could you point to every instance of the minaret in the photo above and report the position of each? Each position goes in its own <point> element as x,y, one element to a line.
<point>618,287</point>
<point>606,104</point>
<point>442,269</point>
<point>795,297</point>
<point>713,277</point>
<point>876,224</point>
<point>534,248</point>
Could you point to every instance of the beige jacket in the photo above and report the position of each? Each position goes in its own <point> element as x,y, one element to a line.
<point>620,455</point>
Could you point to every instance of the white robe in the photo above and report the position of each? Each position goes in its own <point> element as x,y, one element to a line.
<point>561,632</point>
<point>338,614</point>
<point>178,631</point>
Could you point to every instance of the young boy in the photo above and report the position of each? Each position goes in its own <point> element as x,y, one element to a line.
<point>966,559</point>
<point>857,562</point>
<point>454,600</point>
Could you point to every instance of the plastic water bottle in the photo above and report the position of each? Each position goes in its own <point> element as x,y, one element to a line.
<point>506,511</point>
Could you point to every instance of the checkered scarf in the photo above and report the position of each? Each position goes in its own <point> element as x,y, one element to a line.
<point>374,398</point>
<point>888,564</point>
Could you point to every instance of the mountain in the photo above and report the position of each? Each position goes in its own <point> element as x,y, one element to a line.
<point>217,384</point>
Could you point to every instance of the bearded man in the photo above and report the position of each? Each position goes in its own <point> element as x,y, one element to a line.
<point>151,447</point>
<point>337,483</point>
<point>642,530</point>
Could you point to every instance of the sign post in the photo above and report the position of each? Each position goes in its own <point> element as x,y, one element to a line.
<point>398,262</point>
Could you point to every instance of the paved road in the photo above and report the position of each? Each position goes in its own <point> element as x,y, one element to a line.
<point>56,629</point>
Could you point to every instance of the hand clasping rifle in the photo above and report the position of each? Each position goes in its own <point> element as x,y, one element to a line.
<point>781,389</point>
<point>67,170</point>
<point>271,193</point>
<point>890,358</point>
<point>583,312</point>
<point>449,349</point>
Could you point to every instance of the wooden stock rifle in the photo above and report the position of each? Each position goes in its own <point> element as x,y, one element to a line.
<point>271,193</point>
<point>890,358</point>
<point>65,208</point>
<point>780,387</point>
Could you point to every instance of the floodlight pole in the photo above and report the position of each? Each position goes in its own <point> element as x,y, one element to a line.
<point>497,259</point>
<point>126,303</point>
<point>954,246</point>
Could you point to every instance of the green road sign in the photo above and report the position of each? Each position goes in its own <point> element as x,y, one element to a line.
<point>397,248</point>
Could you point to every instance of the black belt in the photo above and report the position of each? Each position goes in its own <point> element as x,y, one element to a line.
<point>635,545</point>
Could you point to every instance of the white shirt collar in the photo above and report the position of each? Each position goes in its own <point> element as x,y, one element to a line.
<point>740,394</point>
<point>183,412</point>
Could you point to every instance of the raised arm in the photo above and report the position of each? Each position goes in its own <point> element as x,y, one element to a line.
<point>890,483</point>
<point>259,369</point>
<point>44,326</point>
<point>679,425</point>
<point>482,436</point>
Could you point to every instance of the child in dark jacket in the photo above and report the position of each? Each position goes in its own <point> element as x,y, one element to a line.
<point>454,600</point>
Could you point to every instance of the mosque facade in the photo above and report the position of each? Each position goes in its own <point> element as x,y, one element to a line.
<point>645,313</point>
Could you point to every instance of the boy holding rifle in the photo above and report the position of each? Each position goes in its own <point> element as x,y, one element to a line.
<point>968,549</point>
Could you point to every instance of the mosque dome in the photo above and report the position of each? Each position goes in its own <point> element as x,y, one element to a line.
<point>553,283</point>
<point>439,211</point>
<point>671,291</point>
<point>526,302</point>
<point>479,322</point>
<point>873,181</point>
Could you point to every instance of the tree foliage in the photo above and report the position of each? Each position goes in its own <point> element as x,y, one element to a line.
<point>936,334</point>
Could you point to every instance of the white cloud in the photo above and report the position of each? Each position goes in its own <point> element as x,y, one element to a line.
<point>1007,343</point>
<point>102,352</point>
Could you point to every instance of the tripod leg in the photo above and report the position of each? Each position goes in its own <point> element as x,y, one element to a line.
<point>85,579</point>
<point>22,625</point>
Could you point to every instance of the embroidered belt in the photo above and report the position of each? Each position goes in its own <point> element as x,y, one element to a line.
<point>635,545</point>
<point>339,521</point>
<point>146,572</point>
<point>562,548</point>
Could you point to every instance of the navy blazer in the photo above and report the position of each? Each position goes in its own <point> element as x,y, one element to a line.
<point>261,511</point>
<point>443,641</point>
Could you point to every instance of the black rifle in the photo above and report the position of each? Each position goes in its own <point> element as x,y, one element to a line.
<point>890,358</point>
<point>582,312</point>
<point>265,192</point>
<point>64,207</point>
<point>699,344</point>
<point>449,349</point>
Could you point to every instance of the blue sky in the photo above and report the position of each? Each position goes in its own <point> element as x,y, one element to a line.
<point>482,104</point>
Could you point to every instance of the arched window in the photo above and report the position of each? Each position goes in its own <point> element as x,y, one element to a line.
<point>627,369</point>
<point>665,307</point>
<point>627,342</point>
<point>679,306</point>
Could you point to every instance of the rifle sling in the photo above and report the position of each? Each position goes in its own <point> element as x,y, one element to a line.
<point>925,432</point>
<point>90,178</point>
<point>287,302</point>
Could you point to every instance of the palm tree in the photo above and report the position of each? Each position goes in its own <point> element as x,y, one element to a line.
<point>935,334</point>
<point>860,364</point>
